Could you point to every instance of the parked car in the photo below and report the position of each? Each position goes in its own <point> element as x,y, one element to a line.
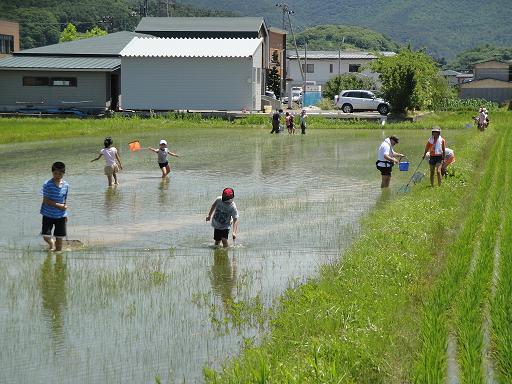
<point>296,95</point>
<point>270,94</point>
<point>361,100</point>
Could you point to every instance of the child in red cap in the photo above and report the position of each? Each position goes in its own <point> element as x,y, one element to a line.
<point>224,212</point>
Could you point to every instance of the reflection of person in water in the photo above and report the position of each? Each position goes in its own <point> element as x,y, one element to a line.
<point>112,201</point>
<point>223,276</point>
<point>53,293</point>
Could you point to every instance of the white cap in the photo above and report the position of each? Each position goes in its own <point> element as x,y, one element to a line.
<point>163,142</point>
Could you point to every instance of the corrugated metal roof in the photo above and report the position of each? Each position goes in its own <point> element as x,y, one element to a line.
<point>199,24</point>
<point>109,45</point>
<point>450,72</point>
<point>334,55</point>
<point>165,47</point>
<point>60,63</point>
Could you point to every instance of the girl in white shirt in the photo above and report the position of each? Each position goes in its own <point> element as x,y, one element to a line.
<point>112,161</point>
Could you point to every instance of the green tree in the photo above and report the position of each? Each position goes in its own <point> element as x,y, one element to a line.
<point>408,79</point>
<point>273,76</point>
<point>37,26</point>
<point>94,32</point>
<point>69,33</point>
<point>346,81</point>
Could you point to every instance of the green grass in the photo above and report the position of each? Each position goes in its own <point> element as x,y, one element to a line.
<point>13,130</point>
<point>380,313</point>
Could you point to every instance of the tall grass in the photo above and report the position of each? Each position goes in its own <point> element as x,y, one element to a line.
<point>501,303</point>
<point>477,286</point>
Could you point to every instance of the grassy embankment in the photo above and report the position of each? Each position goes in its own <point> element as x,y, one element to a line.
<point>384,312</point>
<point>13,130</point>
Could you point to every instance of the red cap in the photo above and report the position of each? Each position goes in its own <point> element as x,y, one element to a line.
<point>227,194</point>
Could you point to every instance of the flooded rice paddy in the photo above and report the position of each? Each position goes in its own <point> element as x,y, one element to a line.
<point>148,296</point>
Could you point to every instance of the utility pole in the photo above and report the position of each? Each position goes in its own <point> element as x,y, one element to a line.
<point>285,9</point>
<point>295,43</point>
<point>305,74</point>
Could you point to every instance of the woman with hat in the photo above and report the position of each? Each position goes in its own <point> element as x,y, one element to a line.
<point>436,149</point>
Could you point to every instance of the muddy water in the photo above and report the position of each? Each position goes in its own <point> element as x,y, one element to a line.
<point>147,295</point>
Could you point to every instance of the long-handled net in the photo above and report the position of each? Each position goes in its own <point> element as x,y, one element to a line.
<point>415,178</point>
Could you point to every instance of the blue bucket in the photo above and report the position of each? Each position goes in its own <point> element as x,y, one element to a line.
<point>404,166</point>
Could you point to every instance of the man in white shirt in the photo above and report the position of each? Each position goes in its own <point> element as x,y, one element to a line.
<point>386,158</point>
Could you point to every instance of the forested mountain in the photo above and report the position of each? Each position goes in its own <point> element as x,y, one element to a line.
<point>444,27</point>
<point>42,20</point>
<point>334,37</point>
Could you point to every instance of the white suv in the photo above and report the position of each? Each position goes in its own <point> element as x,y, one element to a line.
<point>361,100</point>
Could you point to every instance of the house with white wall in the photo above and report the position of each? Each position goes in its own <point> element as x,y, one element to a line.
<point>321,66</point>
<point>194,74</point>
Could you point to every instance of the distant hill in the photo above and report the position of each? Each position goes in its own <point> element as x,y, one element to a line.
<point>334,37</point>
<point>42,20</point>
<point>465,60</point>
<point>445,27</point>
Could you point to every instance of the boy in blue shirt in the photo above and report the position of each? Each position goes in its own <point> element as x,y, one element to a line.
<point>54,207</point>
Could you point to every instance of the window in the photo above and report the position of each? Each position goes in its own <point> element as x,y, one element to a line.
<point>31,81</point>
<point>331,68</point>
<point>353,94</point>
<point>354,67</point>
<point>63,81</point>
<point>6,44</point>
<point>310,68</point>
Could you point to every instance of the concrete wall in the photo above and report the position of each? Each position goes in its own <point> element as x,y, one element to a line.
<point>499,95</point>
<point>12,29</point>
<point>322,69</point>
<point>190,83</point>
<point>91,87</point>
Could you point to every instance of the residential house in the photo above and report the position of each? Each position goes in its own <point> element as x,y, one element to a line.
<point>320,66</point>
<point>492,81</point>
<point>82,74</point>
<point>192,74</point>
<point>9,37</point>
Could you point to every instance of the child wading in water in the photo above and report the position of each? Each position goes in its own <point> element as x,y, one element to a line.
<point>112,159</point>
<point>224,211</point>
<point>54,207</point>
<point>162,152</point>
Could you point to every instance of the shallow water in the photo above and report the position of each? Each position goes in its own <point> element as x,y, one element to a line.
<point>148,295</point>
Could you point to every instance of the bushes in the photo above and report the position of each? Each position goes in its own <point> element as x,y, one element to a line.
<point>456,104</point>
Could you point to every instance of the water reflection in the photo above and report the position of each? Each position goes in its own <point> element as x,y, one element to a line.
<point>53,294</point>
<point>223,276</point>
<point>163,188</point>
<point>113,200</point>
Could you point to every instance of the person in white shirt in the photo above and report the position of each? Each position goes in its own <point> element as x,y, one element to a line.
<point>386,159</point>
<point>112,160</point>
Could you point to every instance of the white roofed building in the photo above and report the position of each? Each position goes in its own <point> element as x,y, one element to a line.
<point>192,74</point>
